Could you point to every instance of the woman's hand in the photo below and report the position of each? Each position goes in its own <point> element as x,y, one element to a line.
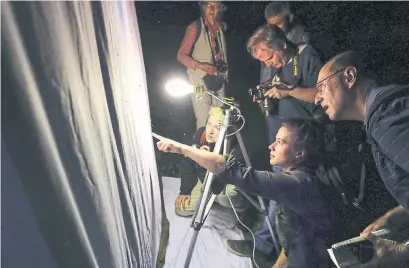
<point>205,147</point>
<point>168,145</point>
<point>207,68</point>
<point>180,201</point>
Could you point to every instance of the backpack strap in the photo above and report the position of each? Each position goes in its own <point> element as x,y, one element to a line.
<point>198,23</point>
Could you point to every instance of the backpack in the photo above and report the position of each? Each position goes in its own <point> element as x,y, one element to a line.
<point>343,171</point>
<point>335,171</point>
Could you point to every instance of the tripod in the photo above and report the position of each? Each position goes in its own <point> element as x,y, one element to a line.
<point>207,197</point>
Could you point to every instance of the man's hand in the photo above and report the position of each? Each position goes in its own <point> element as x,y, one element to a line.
<point>377,225</point>
<point>278,93</point>
<point>395,220</point>
<point>282,261</point>
<point>180,201</point>
<point>387,253</point>
<point>207,68</point>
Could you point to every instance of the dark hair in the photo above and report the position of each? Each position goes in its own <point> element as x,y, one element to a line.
<point>311,137</point>
<point>277,8</point>
<point>271,35</point>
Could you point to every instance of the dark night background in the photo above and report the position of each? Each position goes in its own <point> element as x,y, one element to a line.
<point>379,30</point>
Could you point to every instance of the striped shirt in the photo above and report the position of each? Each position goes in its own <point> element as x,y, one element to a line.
<point>387,126</point>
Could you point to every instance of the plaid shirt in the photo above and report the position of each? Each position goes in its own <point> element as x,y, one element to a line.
<point>188,41</point>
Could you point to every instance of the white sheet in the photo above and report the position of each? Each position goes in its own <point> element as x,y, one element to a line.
<point>210,248</point>
<point>76,123</point>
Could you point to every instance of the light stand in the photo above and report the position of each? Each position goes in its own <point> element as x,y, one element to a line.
<point>207,197</point>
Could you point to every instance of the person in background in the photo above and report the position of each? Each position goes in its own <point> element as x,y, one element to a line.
<point>347,92</point>
<point>204,46</point>
<point>296,69</point>
<point>192,175</point>
<point>279,14</point>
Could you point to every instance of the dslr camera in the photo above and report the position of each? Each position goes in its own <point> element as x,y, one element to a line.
<point>221,66</point>
<point>258,92</point>
<point>270,105</point>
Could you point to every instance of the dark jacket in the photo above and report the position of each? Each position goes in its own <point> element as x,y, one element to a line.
<point>387,127</point>
<point>298,35</point>
<point>302,205</point>
<point>190,171</point>
<point>309,65</point>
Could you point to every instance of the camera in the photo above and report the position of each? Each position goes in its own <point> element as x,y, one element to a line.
<point>270,105</point>
<point>258,92</point>
<point>221,66</point>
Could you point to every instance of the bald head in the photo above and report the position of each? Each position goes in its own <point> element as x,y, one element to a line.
<point>345,60</point>
<point>343,86</point>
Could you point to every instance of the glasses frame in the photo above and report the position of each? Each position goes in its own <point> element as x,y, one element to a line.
<point>320,90</point>
<point>219,7</point>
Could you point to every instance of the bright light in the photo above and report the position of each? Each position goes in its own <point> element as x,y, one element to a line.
<point>178,88</point>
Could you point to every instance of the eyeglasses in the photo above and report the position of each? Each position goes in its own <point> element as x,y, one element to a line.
<point>258,51</point>
<point>216,7</point>
<point>321,86</point>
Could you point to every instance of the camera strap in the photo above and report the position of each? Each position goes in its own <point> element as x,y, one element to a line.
<point>296,71</point>
<point>219,39</point>
<point>210,42</point>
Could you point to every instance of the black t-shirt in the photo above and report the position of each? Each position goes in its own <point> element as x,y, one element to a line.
<point>191,171</point>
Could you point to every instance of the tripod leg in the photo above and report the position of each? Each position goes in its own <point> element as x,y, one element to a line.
<point>191,248</point>
<point>200,200</point>
<point>209,205</point>
<point>252,201</point>
<point>206,201</point>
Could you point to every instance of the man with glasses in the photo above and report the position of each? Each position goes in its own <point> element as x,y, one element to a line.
<point>346,92</point>
<point>279,13</point>
<point>295,76</point>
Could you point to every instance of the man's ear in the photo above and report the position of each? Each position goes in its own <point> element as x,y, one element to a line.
<point>350,76</point>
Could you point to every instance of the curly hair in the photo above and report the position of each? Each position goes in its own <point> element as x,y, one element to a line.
<point>312,136</point>
<point>271,35</point>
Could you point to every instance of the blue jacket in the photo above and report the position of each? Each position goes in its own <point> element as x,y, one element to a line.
<point>300,197</point>
<point>387,127</point>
